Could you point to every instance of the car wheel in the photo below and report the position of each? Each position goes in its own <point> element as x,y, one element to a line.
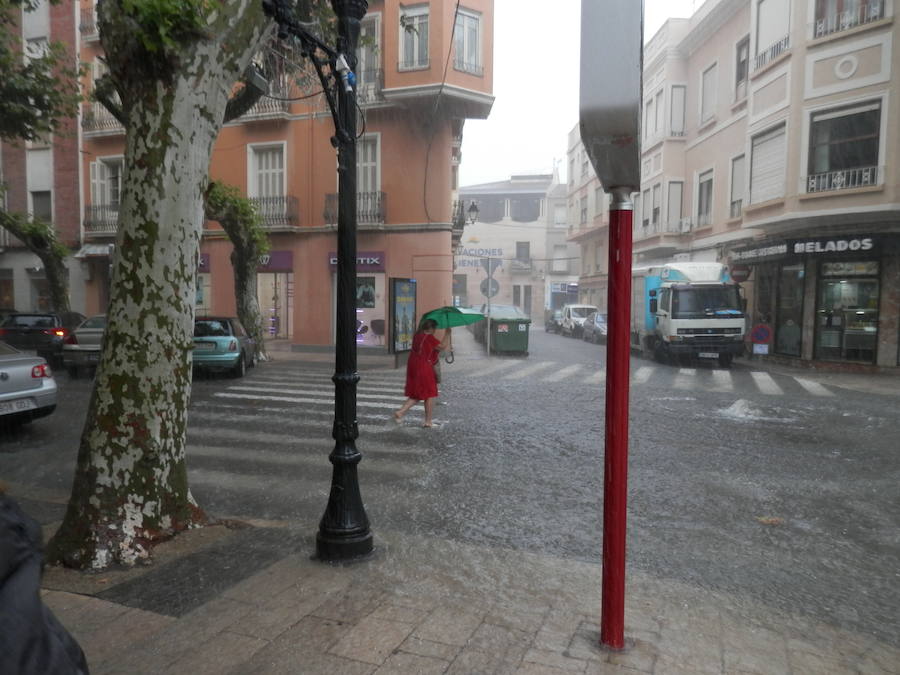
<point>254,360</point>
<point>240,368</point>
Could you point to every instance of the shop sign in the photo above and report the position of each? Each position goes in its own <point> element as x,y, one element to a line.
<point>759,253</point>
<point>276,261</point>
<point>832,245</point>
<point>366,261</point>
<point>867,268</point>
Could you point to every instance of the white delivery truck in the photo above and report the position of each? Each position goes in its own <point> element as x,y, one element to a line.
<point>689,310</point>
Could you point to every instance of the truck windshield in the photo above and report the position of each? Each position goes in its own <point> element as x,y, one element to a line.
<point>706,302</point>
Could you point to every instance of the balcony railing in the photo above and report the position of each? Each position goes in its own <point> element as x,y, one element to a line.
<point>768,55</point>
<point>651,229</point>
<point>370,207</point>
<point>101,219</point>
<point>836,22</point>
<point>97,118</point>
<point>88,25</point>
<point>521,266</point>
<point>369,86</point>
<point>844,179</point>
<point>277,211</point>
<point>736,207</point>
<point>269,107</point>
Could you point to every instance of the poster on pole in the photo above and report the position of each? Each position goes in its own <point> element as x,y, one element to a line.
<point>403,314</point>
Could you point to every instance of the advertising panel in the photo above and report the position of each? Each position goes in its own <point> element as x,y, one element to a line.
<point>403,314</point>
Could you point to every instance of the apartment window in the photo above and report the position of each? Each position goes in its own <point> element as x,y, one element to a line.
<point>368,64</point>
<point>467,40</point>
<point>560,258</point>
<point>571,170</point>
<point>584,164</point>
<point>676,192</point>
<point>598,201</point>
<point>560,215</point>
<point>36,22</point>
<point>525,209</point>
<point>833,16</point>
<point>767,165</point>
<point>741,68</point>
<point>413,37</point>
<point>41,205</point>
<point>773,22</point>
<point>106,182</point>
<point>368,176</point>
<point>523,251</point>
<point>267,172</point>
<point>657,203</point>
<point>843,147</point>
<point>598,256</point>
<point>704,199</point>
<point>708,94</point>
<point>649,116</point>
<point>583,206</point>
<point>660,122</point>
<point>737,187</point>
<point>676,123</point>
<point>645,212</point>
<point>35,48</point>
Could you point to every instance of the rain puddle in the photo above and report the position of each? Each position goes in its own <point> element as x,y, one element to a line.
<point>743,410</point>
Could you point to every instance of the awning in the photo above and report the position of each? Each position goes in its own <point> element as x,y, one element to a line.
<point>95,251</point>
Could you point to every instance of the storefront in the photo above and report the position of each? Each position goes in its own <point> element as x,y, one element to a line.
<point>826,299</point>
<point>371,297</point>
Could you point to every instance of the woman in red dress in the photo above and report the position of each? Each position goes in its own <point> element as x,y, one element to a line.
<point>421,384</point>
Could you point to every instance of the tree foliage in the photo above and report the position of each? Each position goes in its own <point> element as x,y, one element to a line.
<point>38,92</point>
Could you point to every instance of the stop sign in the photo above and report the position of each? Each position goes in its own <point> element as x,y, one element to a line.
<point>740,273</point>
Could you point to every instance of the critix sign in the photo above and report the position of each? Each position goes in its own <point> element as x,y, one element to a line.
<point>832,245</point>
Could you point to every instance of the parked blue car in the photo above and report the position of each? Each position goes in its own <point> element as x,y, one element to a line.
<point>221,343</point>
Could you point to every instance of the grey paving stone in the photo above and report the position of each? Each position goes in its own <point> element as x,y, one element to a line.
<point>755,650</point>
<point>270,619</point>
<point>640,655</point>
<point>541,669</point>
<point>437,650</point>
<point>391,612</point>
<point>352,604</point>
<point>555,660</point>
<point>508,644</point>
<point>404,663</point>
<point>224,652</point>
<point>470,661</point>
<point>449,626</point>
<point>110,640</point>
<point>372,640</point>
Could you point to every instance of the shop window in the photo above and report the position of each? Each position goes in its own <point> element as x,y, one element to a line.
<point>843,148</point>
<point>789,312</point>
<point>847,311</point>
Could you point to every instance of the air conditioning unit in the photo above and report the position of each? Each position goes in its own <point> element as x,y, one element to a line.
<point>685,225</point>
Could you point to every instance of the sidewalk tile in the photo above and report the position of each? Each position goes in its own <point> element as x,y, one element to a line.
<point>529,619</point>
<point>225,652</point>
<point>307,642</point>
<point>554,660</point>
<point>132,627</point>
<point>437,650</point>
<point>352,604</point>
<point>403,663</point>
<point>585,643</point>
<point>471,661</point>
<point>449,626</point>
<point>755,650</point>
<point>391,612</point>
<point>372,640</point>
<point>640,655</point>
<point>807,663</point>
<point>507,643</point>
<point>270,620</point>
<point>541,669</point>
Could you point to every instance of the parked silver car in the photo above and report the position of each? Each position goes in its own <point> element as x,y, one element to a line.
<point>81,349</point>
<point>27,387</point>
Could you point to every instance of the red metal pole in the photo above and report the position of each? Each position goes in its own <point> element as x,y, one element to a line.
<point>615,474</point>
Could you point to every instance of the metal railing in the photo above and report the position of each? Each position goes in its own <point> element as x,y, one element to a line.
<point>370,207</point>
<point>844,179</point>
<point>771,53</point>
<point>836,22</point>
<point>277,211</point>
<point>97,118</point>
<point>101,218</point>
<point>270,107</point>
<point>651,229</point>
<point>369,86</point>
<point>736,207</point>
<point>88,25</point>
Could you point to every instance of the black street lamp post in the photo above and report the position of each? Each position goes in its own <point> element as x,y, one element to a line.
<point>344,529</point>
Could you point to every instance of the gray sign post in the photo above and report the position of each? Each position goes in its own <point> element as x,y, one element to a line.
<point>610,111</point>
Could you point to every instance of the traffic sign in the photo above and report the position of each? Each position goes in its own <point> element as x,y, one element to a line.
<point>761,334</point>
<point>489,290</point>
<point>740,273</point>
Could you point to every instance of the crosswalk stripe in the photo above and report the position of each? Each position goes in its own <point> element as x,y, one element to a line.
<point>563,374</point>
<point>210,410</point>
<point>722,381</point>
<point>492,370</point>
<point>766,384</point>
<point>643,374</point>
<point>813,388</point>
<point>596,378</point>
<point>392,394</point>
<point>531,370</point>
<point>297,399</point>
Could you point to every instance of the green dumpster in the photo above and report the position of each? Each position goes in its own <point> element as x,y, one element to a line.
<point>509,328</point>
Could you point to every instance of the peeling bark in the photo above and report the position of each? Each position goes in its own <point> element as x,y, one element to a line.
<point>131,485</point>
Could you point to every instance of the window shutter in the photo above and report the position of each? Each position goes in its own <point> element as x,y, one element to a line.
<point>767,166</point>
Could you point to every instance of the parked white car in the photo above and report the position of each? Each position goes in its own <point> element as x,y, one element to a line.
<point>27,387</point>
<point>573,319</point>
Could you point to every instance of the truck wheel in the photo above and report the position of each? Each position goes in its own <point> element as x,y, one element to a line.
<point>725,360</point>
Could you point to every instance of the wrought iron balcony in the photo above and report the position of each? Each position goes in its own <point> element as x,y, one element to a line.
<point>267,107</point>
<point>768,55</point>
<point>836,22</point>
<point>101,219</point>
<point>369,86</point>
<point>88,25</point>
<point>521,266</point>
<point>370,207</point>
<point>844,179</point>
<point>277,212</point>
<point>98,120</point>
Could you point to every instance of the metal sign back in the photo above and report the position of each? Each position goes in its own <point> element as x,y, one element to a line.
<point>611,73</point>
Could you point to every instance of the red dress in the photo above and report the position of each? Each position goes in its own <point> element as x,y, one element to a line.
<point>420,382</point>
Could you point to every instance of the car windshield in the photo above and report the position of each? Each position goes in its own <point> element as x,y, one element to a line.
<point>211,328</point>
<point>581,312</point>
<point>31,320</point>
<point>94,322</point>
<point>706,301</point>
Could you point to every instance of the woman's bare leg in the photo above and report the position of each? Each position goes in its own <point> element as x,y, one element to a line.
<point>429,411</point>
<point>410,402</point>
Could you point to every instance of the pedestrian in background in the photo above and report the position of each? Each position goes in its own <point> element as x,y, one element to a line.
<point>421,382</point>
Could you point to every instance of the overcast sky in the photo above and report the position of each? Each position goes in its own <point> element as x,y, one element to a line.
<point>536,64</point>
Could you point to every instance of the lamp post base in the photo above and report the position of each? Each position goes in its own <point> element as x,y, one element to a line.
<point>335,547</point>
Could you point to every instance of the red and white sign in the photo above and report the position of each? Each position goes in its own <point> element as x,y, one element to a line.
<point>740,273</point>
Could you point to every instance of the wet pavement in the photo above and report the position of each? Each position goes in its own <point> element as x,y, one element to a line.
<point>762,511</point>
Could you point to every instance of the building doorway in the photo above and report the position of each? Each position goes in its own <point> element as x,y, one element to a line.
<point>275,293</point>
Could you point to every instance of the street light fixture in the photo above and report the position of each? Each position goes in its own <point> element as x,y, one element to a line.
<point>344,529</point>
<point>472,213</point>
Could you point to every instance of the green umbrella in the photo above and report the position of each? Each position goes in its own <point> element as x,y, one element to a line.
<point>447,317</point>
